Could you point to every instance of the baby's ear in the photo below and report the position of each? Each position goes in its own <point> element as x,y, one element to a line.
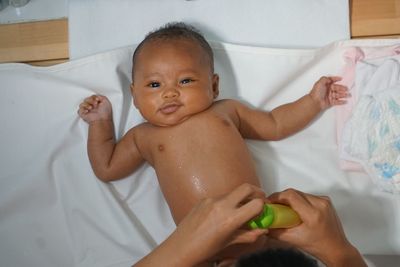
<point>132,86</point>
<point>215,85</point>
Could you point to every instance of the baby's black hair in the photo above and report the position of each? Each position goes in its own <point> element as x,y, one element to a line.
<point>277,258</point>
<point>176,31</point>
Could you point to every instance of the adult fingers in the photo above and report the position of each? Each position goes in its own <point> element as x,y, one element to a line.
<point>306,205</point>
<point>247,202</point>
<point>248,211</point>
<point>291,197</point>
<point>280,234</point>
<point>318,201</point>
<point>247,236</point>
<point>244,192</point>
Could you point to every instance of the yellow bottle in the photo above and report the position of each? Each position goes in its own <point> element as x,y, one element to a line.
<point>275,216</point>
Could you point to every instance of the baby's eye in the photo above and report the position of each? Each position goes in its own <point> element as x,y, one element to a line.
<point>186,81</point>
<point>154,84</point>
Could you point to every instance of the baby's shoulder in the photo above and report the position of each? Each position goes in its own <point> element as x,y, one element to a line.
<point>228,105</point>
<point>141,134</point>
<point>227,102</point>
<point>141,129</point>
<point>228,108</point>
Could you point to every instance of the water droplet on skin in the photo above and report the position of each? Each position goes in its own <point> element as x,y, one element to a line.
<point>197,184</point>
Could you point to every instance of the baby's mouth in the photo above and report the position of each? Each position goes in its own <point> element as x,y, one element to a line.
<point>170,108</point>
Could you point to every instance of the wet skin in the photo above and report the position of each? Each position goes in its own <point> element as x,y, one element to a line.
<point>195,143</point>
<point>198,158</point>
<point>192,142</point>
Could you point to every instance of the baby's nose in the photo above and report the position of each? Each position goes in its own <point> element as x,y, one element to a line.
<point>171,93</point>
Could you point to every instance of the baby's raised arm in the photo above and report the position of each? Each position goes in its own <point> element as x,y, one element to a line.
<point>290,118</point>
<point>110,160</point>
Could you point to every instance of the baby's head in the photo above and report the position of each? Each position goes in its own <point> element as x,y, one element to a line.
<point>174,32</point>
<point>173,75</point>
<point>278,257</point>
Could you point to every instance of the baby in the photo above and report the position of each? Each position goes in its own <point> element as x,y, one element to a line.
<point>194,142</point>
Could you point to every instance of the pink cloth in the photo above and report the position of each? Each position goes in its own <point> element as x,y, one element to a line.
<point>352,56</point>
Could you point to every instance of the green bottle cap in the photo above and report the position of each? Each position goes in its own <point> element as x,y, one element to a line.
<point>264,220</point>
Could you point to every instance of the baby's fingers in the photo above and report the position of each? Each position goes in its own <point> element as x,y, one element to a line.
<point>335,78</point>
<point>339,88</point>
<point>85,108</point>
<point>336,100</point>
<point>337,94</point>
<point>89,103</point>
<point>328,80</point>
<point>93,100</point>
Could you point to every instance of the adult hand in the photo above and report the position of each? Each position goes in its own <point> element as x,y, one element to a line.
<point>321,233</point>
<point>212,225</point>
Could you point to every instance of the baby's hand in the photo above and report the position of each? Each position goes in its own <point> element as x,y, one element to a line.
<point>326,93</point>
<point>95,107</point>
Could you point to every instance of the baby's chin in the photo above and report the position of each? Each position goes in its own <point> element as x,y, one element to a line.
<point>168,122</point>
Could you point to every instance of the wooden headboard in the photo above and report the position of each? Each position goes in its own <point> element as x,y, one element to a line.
<point>375,18</point>
<point>37,43</point>
<point>46,42</point>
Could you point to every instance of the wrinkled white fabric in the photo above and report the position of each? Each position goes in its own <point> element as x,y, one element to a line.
<point>372,135</point>
<point>55,212</point>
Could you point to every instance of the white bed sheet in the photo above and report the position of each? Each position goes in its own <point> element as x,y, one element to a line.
<point>99,25</point>
<point>55,212</point>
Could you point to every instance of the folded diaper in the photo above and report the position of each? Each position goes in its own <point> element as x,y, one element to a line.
<point>372,134</point>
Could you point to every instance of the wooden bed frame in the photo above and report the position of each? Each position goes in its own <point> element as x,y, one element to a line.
<point>36,43</point>
<point>46,42</point>
<point>375,18</point>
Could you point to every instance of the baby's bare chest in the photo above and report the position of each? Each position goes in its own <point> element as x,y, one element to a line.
<point>204,156</point>
<point>195,138</point>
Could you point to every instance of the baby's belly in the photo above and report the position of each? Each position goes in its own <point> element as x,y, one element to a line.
<point>211,170</point>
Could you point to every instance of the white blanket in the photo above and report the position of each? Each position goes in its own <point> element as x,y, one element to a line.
<point>55,212</point>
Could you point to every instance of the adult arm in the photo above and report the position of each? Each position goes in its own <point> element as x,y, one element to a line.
<point>212,225</point>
